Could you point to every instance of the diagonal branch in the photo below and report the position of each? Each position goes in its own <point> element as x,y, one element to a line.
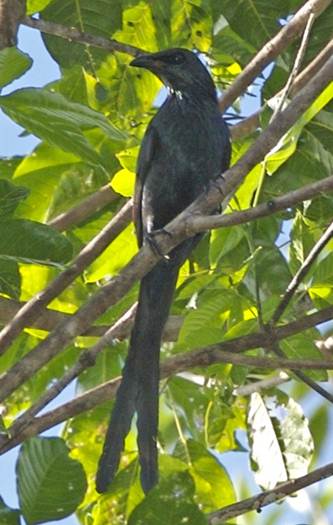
<point>270,496</point>
<point>47,320</point>
<point>272,49</point>
<point>251,123</point>
<point>301,273</point>
<point>201,223</point>
<point>124,324</point>
<point>75,35</point>
<point>146,258</point>
<point>34,308</point>
<point>202,357</point>
<point>95,202</point>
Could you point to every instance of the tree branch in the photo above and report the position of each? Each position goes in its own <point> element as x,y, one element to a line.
<point>263,384</point>
<point>95,202</point>
<point>201,357</point>
<point>272,49</point>
<point>11,13</point>
<point>34,308</point>
<point>146,258</point>
<point>270,496</point>
<point>301,273</point>
<point>75,35</point>
<point>47,320</point>
<point>201,223</point>
<point>251,123</point>
<point>297,64</point>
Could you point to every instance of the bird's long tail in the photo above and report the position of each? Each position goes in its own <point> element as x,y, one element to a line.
<point>138,390</point>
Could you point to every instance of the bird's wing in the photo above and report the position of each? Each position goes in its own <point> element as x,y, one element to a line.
<point>147,152</point>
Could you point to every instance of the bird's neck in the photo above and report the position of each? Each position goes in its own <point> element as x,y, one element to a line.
<point>192,95</point>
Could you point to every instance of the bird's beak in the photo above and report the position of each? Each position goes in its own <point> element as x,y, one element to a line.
<point>141,61</point>
<point>148,61</point>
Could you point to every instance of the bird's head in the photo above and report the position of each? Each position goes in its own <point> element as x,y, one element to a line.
<point>180,70</point>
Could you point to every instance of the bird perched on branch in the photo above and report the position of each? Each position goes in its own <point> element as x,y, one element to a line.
<point>186,145</point>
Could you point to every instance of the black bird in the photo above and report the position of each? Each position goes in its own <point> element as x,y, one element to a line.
<point>185,146</point>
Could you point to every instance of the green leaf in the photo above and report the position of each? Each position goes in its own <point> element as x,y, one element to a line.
<point>10,278</point>
<point>170,502</point>
<point>87,16</point>
<point>10,196</point>
<point>8,516</point>
<point>119,253</point>
<point>224,240</point>
<point>35,108</point>
<point>32,241</point>
<point>123,182</point>
<point>256,22</point>
<point>51,485</point>
<point>302,346</point>
<point>279,431</point>
<point>213,485</point>
<point>13,64</point>
<point>288,143</point>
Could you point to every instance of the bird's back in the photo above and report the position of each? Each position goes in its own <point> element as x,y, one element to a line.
<point>191,147</point>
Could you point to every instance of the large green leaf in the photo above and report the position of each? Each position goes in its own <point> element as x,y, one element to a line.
<point>50,484</point>
<point>255,20</point>
<point>171,502</point>
<point>13,63</point>
<point>213,485</point>
<point>32,241</point>
<point>58,121</point>
<point>100,18</point>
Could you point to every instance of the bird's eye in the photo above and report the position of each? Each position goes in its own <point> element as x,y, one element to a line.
<point>178,58</point>
<point>175,58</point>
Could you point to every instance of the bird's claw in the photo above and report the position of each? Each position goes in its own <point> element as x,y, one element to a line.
<point>215,184</point>
<point>149,237</point>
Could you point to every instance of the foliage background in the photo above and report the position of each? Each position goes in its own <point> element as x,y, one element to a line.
<point>74,160</point>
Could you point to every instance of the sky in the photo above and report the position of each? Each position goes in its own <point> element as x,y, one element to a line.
<point>43,71</point>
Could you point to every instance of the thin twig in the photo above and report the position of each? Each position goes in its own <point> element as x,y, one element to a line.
<point>33,308</point>
<point>272,49</point>
<point>47,320</point>
<point>146,258</point>
<point>75,35</point>
<point>297,64</point>
<point>251,123</point>
<point>196,224</point>
<point>301,273</point>
<point>270,496</point>
<point>87,359</point>
<point>263,384</point>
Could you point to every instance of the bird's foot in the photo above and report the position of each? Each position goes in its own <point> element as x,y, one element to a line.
<point>216,184</point>
<point>149,237</point>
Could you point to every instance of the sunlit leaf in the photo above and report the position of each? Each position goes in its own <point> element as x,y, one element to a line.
<point>281,443</point>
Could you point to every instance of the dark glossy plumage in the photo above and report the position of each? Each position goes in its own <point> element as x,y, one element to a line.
<point>185,146</point>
